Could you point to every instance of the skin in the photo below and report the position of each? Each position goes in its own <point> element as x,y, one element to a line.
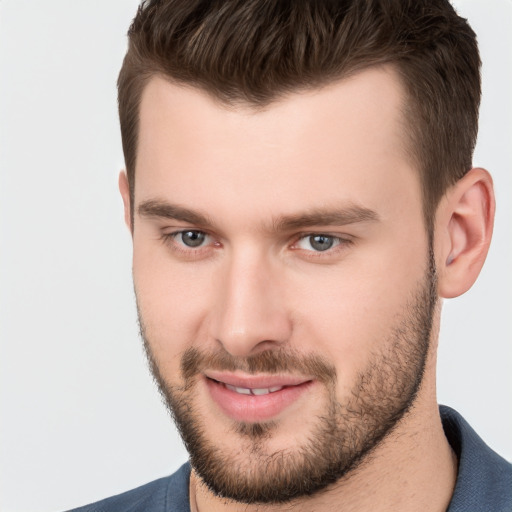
<point>251,288</point>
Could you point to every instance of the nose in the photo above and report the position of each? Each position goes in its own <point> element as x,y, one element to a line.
<point>250,314</point>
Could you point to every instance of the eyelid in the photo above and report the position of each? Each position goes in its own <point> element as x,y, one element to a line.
<point>170,239</point>
<point>342,241</point>
<point>338,236</point>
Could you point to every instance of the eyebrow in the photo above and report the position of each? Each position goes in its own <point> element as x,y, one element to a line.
<point>317,217</point>
<point>165,210</point>
<point>326,217</point>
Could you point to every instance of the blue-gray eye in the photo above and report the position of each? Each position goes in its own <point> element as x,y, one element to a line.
<point>321,242</point>
<point>318,242</point>
<point>192,238</point>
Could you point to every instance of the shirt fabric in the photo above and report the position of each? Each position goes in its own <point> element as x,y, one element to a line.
<point>484,480</point>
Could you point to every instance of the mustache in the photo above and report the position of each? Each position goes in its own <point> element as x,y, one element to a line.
<point>194,362</point>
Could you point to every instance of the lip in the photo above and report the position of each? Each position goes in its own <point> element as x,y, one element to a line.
<point>256,381</point>
<point>255,408</point>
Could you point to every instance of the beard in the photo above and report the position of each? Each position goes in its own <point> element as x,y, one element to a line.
<point>344,434</point>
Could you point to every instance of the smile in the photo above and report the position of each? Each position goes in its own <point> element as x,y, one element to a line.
<point>253,399</point>
<point>254,391</point>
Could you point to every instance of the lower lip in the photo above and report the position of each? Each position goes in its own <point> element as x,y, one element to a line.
<point>252,408</point>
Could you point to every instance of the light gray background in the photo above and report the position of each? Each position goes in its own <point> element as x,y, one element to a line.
<point>80,418</point>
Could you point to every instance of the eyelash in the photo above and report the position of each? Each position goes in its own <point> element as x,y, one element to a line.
<point>340,244</point>
<point>170,240</point>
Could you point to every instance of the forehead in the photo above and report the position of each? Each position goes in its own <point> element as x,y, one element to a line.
<point>345,142</point>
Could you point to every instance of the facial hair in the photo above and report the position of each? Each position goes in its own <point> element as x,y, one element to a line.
<point>344,435</point>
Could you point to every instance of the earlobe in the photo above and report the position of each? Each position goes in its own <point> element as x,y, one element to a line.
<point>465,222</point>
<point>124,189</point>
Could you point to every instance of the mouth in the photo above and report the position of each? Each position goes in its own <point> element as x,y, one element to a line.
<point>253,391</point>
<point>253,399</point>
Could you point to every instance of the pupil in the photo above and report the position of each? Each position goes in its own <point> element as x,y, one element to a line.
<point>321,242</point>
<point>192,238</point>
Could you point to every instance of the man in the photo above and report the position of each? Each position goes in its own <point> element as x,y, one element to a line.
<point>301,197</point>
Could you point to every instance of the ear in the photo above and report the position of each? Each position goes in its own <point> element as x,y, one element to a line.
<point>124,188</point>
<point>464,224</point>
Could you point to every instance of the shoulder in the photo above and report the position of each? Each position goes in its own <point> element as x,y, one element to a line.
<point>168,494</point>
<point>484,480</point>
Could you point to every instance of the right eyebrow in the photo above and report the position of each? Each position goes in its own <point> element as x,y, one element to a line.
<point>156,208</point>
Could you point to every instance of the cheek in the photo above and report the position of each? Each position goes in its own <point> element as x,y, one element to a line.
<point>171,299</point>
<point>349,313</point>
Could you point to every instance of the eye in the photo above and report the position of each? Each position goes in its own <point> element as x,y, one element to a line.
<point>318,242</point>
<point>191,238</point>
<point>190,244</point>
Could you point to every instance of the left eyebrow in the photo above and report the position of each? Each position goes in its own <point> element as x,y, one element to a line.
<point>336,217</point>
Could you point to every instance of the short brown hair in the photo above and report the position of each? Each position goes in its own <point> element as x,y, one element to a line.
<point>255,51</point>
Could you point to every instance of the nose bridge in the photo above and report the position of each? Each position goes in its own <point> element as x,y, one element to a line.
<point>250,314</point>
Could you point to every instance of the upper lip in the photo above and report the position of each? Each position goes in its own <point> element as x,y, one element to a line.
<point>256,381</point>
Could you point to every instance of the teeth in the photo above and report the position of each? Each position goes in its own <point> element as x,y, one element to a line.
<point>254,391</point>
<point>242,391</point>
<point>263,391</point>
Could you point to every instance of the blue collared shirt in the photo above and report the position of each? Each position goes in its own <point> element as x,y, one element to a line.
<point>484,480</point>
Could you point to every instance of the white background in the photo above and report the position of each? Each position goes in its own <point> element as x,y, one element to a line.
<point>80,418</point>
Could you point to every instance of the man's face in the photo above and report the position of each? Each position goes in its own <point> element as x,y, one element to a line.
<point>283,279</point>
